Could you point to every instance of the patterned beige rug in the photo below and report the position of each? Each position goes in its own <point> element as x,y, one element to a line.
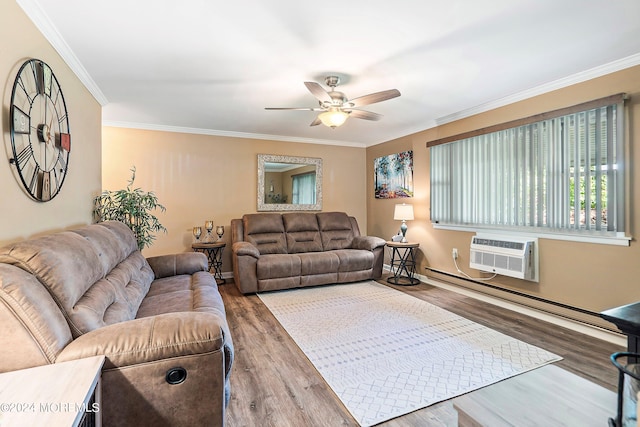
<point>385,353</point>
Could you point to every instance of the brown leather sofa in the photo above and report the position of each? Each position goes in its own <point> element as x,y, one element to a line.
<point>88,292</point>
<point>272,251</point>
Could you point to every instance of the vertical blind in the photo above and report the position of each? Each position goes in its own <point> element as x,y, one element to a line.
<point>304,188</point>
<point>562,174</point>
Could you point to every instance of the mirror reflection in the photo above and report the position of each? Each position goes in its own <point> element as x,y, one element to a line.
<point>289,183</point>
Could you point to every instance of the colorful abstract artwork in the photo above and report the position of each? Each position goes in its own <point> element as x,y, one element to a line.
<point>393,175</point>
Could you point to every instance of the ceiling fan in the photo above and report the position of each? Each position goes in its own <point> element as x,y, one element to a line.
<point>335,107</point>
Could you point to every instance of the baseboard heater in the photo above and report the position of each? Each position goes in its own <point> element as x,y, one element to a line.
<point>506,255</point>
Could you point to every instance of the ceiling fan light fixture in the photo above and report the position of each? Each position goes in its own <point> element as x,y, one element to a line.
<point>333,118</point>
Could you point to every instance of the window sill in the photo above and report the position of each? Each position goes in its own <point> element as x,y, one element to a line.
<point>619,240</point>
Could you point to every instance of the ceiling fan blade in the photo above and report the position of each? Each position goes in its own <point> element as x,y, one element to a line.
<point>317,91</point>
<point>316,122</point>
<point>294,108</point>
<point>372,98</point>
<point>367,115</point>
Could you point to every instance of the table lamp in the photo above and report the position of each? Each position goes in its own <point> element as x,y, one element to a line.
<point>403,213</point>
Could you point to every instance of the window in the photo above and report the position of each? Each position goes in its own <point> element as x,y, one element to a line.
<point>304,188</point>
<point>558,173</point>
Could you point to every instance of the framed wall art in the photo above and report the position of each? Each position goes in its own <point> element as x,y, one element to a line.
<point>393,176</point>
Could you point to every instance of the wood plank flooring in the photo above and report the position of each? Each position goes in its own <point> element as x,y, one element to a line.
<point>274,384</point>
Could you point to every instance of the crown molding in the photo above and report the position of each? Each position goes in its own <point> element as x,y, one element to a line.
<point>40,19</point>
<point>229,134</point>
<point>592,73</point>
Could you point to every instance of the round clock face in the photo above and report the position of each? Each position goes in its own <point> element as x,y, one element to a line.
<point>40,138</point>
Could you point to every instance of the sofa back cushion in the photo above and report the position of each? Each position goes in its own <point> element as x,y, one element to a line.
<point>336,230</point>
<point>265,231</point>
<point>302,232</point>
<point>96,274</point>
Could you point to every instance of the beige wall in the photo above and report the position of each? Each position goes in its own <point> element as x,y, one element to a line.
<point>21,216</point>
<point>200,177</point>
<point>584,275</point>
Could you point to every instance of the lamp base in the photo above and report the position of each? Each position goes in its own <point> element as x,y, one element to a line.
<point>403,230</point>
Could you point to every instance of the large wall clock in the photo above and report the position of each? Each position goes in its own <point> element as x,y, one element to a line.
<point>40,136</point>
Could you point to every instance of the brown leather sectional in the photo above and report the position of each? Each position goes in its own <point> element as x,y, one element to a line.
<point>272,251</point>
<point>90,292</point>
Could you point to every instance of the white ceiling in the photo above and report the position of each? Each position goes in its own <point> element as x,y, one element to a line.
<point>210,66</point>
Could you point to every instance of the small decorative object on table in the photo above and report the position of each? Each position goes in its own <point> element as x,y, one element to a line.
<point>397,238</point>
<point>220,231</point>
<point>208,225</point>
<point>197,232</point>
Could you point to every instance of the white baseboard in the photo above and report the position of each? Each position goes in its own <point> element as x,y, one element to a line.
<point>574,325</point>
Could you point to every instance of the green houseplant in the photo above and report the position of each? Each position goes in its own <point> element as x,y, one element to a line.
<point>132,206</point>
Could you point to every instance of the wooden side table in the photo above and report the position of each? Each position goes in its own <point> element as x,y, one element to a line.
<point>61,394</point>
<point>403,264</point>
<point>213,251</point>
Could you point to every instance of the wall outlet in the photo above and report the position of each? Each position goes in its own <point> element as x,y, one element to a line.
<point>454,253</point>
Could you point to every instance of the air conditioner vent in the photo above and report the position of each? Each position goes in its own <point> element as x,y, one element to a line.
<point>507,255</point>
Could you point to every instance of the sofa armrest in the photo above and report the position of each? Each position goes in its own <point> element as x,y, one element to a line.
<point>245,248</point>
<point>175,264</point>
<point>244,257</point>
<point>375,245</point>
<point>153,338</point>
<point>369,243</point>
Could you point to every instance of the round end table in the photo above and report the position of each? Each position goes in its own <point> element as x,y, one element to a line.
<point>213,251</point>
<point>403,264</point>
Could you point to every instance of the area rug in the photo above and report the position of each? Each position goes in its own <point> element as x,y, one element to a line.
<point>385,353</point>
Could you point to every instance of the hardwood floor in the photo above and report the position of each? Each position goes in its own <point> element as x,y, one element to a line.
<point>273,383</point>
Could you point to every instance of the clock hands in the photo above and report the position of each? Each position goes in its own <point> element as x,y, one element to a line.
<point>49,130</point>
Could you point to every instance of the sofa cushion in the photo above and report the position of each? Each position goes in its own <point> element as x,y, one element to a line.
<point>354,259</point>
<point>302,231</point>
<point>183,293</point>
<point>318,263</point>
<point>265,232</point>
<point>335,229</point>
<point>277,265</point>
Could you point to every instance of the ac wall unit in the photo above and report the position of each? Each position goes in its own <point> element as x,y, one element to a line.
<point>507,255</point>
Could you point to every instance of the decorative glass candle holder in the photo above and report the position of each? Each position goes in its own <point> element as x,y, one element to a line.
<point>197,232</point>
<point>220,231</point>
<point>208,225</point>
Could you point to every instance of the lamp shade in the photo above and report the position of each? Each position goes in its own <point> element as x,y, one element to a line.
<point>333,118</point>
<point>403,212</point>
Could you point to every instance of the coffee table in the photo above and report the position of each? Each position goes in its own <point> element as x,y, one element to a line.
<point>547,396</point>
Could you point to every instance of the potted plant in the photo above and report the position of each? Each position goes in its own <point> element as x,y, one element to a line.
<point>132,206</point>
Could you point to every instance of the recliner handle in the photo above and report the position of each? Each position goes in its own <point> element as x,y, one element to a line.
<point>176,375</point>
